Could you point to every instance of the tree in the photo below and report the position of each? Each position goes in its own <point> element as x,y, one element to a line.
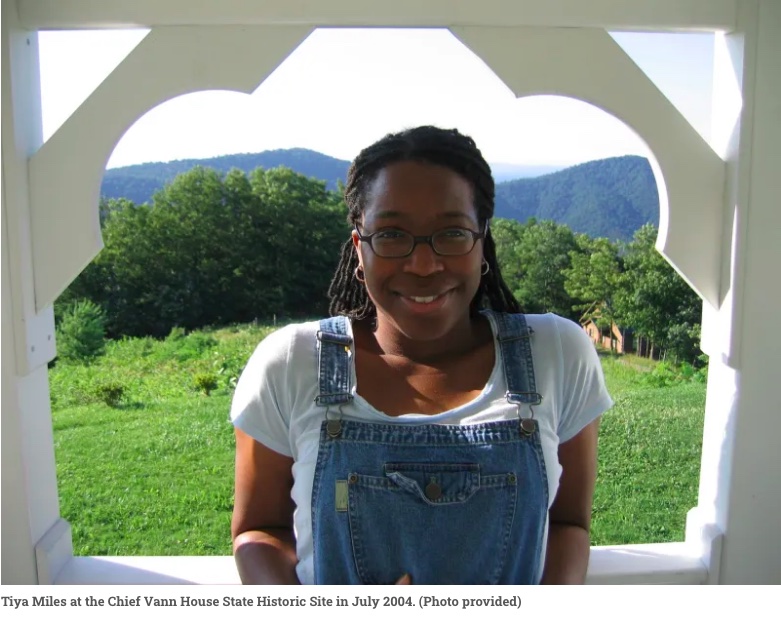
<point>212,250</point>
<point>506,234</point>
<point>542,256</point>
<point>81,332</point>
<point>593,278</point>
<point>656,302</point>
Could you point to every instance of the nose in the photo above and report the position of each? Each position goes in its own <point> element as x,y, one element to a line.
<point>423,261</point>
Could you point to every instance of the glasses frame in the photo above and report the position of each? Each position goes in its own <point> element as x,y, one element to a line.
<point>429,239</point>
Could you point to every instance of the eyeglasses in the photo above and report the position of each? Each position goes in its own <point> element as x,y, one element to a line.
<point>448,242</point>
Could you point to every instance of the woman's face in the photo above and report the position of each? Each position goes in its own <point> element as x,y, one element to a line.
<point>421,199</point>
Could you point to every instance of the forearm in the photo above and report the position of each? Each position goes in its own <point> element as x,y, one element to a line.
<point>566,560</point>
<point>266,556</point>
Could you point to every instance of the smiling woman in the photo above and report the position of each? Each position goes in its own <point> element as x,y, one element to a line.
<point>429,432</point>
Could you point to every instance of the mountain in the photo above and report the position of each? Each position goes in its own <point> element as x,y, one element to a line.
<point>610,197</point>
<point>510,172</point>
<point>138,183</point>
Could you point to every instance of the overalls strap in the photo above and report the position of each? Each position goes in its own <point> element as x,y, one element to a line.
<point>514,336</point>
<point>334,351</point>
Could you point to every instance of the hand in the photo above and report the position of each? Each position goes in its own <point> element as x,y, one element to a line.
<point>405,579</point>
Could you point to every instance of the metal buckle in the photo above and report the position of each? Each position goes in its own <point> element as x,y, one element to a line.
<point>333,426</point>
<point>527,424</point>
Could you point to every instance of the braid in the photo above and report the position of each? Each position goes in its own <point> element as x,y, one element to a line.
<point>428,144</point>
<point>492,288</point>
<point>348,295</point>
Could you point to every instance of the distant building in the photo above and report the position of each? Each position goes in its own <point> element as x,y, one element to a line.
<point>612,338</point>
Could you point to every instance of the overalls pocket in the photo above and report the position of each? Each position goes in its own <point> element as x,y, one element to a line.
<point>444,523</point>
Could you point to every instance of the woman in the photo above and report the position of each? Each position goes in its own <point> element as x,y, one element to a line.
<point>417,437</point>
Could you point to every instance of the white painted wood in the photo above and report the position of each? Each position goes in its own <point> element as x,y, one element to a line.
<point>53,552</point>
<point>656,563</point>
<point>752,551</point>
<point>589,65</point>
<point>21,137</point>
<point>705,540</point>
<point>18,559</point>
<point>149,570</point>
<point>719,338</point>
<point>29,487</point>
<point>660,563</point>
<point>611,14</point>
<point>65,191</point>
<point>731,130</point>
<point>718,442</point>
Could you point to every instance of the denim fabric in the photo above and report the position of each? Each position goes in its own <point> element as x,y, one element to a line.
<point>448,504</point>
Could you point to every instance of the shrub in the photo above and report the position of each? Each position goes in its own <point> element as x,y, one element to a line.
<point>183,347</point>
<point>205,382</point>
<point>666,374</point>
<point>110,393</point>
<point>81,334</point>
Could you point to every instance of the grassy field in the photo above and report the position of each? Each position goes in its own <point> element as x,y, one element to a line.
<point>145,456</point>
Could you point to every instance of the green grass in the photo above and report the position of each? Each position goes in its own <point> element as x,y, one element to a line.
<point>153,475</point>
<point>649,457</point>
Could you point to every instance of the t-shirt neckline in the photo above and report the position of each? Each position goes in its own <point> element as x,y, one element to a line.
<point>368,411</point>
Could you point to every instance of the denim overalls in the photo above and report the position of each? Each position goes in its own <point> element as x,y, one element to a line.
<point>448,504</point>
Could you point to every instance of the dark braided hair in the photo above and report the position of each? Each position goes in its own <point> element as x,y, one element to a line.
<point>428,144</point>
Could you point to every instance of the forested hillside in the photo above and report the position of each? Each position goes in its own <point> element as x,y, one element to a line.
<point>610,198</point>
<point>138,183</point>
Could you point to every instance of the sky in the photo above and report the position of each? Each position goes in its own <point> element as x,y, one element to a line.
<point>343,89</point>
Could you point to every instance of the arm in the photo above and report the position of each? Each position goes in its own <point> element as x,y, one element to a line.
<point>566,560</point>
<point>262,525</point>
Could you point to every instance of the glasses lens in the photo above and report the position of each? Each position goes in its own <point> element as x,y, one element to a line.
<point>453,241</point>
<point>392,243</point>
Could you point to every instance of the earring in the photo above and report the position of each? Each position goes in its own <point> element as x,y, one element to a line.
<point>359,274</point>
<point>486,267</point>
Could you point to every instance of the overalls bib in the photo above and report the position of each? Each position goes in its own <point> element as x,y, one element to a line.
<point>447,504</point>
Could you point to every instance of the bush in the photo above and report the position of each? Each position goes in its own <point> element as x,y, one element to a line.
<point>666,374</point>
<point>205,382</point>
<point>110,393</point>
<point>81,334</point>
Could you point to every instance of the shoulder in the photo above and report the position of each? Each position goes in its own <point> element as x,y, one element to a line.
<point>280,371</point>
<point>276,360</point>
<point>568,338</point>
<point>571,370</point>
<point>284,345</point>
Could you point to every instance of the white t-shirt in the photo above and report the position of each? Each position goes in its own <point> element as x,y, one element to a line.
<point>274,404</point>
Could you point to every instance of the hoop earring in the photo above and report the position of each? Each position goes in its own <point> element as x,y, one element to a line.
<point>359,274</point>
<point>486,267</point>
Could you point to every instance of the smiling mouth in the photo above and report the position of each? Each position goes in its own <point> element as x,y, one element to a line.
<point>425,302</point>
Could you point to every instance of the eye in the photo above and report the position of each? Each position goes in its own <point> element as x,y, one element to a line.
<point>454,234</point>
<point>390,234</point>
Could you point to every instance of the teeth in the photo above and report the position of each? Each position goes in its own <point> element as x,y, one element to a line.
<point>423,299</point>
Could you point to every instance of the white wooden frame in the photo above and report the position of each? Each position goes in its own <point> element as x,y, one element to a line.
<point>719,227</point>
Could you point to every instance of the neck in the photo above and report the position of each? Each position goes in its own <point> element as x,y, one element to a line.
<point>468,334</point>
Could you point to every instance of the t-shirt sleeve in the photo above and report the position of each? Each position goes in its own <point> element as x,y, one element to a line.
<point>584,394</point>
<point>260,407</point>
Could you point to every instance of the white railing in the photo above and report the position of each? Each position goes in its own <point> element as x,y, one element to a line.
<point>658,563</point>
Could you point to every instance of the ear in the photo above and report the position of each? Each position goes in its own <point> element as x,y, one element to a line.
<point>357,245</point>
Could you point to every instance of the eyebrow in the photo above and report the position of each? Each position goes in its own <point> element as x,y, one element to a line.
<point>448,214</point>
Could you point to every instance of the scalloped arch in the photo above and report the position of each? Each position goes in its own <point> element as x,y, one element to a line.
<point>65,191</point>
<point>588,65</point>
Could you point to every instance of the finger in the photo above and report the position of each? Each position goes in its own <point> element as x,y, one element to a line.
<point>405,579</point>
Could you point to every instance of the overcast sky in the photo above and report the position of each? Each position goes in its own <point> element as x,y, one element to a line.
<point>344,88</point>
